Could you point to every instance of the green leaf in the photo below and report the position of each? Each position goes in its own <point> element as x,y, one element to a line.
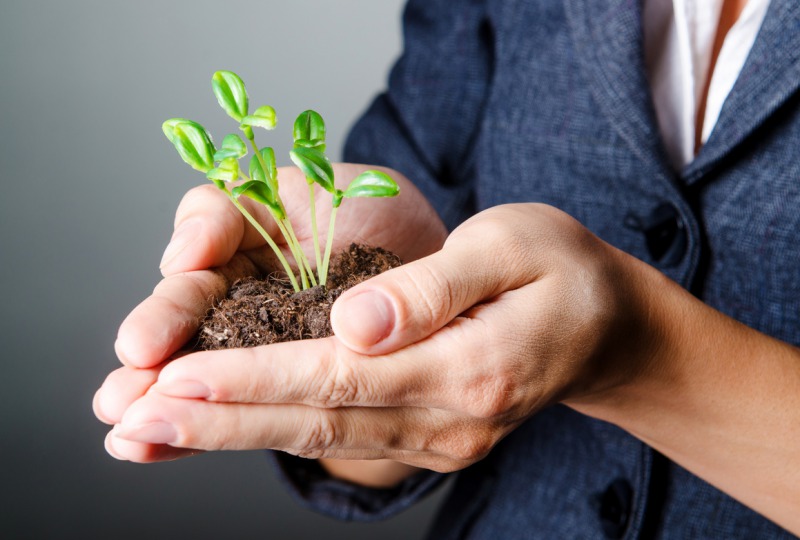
<point>257,173</point>
<point>232,147</point>
<point>319,144</point>
<point>372,184</point>
<point>264,117</point>
<point>168,127</point>
<point>227,171</point>
<point>231,94</point>
<point>309,126</point>
<point>315,166</point>
<point>259,192</point>
<point>194,145</point>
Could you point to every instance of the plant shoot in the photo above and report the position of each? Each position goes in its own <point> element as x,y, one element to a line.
<point>221,166</point>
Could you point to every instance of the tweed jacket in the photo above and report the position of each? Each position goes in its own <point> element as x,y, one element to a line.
<point>498,101</point>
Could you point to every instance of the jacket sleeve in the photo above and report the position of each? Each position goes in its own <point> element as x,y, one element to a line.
<point>314,489</point>
<point>422,126</point>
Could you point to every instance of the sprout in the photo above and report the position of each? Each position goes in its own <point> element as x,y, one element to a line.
<point>264,117</point>
<point>232,147</point>
<point>196,148</point>
<point>231,94</point>
<point>192,142</point>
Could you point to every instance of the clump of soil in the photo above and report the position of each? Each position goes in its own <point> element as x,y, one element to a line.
<point>263,311</point>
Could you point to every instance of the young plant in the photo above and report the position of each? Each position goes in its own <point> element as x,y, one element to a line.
<point>221,166</point>
<point>317,168</point>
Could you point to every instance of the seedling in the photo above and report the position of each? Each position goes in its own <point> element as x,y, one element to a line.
<point>260,184</point>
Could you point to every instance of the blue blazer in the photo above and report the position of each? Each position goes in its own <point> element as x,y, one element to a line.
<point>520,100</point>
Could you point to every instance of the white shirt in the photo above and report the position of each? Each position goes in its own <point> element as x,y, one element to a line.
<point>679,38</point>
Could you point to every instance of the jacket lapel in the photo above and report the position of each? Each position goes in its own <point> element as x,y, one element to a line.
<point>608,42</point>
<point>768,78</point>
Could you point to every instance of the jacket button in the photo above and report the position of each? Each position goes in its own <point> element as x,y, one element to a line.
<point>614,508</point>
<point>664,233</point>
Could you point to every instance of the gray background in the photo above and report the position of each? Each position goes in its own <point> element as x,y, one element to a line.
<point>89,190</point>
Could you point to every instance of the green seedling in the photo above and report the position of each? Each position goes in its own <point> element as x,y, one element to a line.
<point>260,183</point>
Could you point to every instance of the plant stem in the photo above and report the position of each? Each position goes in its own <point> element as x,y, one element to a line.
<point>294,249</point>
<point>268,238</point>
<point>323,276</point>
<point>304,261</point>
<point>284,225</point>
<point>317,256</point>
<point>261,161</point>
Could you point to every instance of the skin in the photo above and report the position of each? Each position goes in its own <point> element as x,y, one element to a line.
<point>520,308</point>
<point>210,233</point>
<point>433,363</point>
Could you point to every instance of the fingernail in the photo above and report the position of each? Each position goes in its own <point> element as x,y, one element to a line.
<point>153,433</point>
<point>120,347</point>
<point>181,238</point>
<point>183,389</point>
<point>365,319</point>
<point>109,445</point>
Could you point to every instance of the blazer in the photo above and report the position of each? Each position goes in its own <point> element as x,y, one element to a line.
<point>534,100</point>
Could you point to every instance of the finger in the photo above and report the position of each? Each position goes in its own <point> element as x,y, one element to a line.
<point>453,370</point>
<point>143,452</point>
<point>352,433</point>
<point>321,373</point>
<point>166,320</point>
<point>209,230</point>
<point>406,304</point>
<point>137,452</point>
<point>121,388</point>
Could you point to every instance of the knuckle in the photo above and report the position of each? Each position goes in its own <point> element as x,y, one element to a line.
<point>467,450</point>
<point>431,295</point>
<point>500,233</point>
<point>339,384</point>
<point>490,395</point>
<point>491,383</point>
<point>491,226</point>
<point>319,436</point>
<point>461,443</point>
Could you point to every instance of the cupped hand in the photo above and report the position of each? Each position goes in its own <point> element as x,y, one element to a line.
<point>432,364</point>
<point>212,246</point>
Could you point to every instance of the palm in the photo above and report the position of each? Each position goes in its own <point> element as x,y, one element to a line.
<point>406,225</point>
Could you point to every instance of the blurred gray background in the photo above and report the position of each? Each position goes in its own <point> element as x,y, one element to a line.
<point>89,190</point>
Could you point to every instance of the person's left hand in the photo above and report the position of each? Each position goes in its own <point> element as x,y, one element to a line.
<point>432,363</point>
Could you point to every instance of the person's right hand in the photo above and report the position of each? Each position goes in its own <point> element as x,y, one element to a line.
<point>212,246</point>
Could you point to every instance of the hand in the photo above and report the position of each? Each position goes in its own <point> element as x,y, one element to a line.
<point>211,247</point>
<point>432,364</point>
<point>436,361</point>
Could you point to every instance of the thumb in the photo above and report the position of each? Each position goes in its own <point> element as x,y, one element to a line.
<point>209,230</point>
<point>407,304</point>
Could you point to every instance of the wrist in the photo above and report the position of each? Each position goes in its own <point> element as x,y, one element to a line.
<point>643,360</point>
<point>718,398</point>
<point>378,474</point>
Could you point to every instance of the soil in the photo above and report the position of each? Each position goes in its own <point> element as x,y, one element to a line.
<point>260,311</point>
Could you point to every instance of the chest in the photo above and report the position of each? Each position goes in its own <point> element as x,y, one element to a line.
<point>733,233</point>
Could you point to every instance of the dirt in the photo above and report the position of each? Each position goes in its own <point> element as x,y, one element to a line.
<point>267,310</point>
